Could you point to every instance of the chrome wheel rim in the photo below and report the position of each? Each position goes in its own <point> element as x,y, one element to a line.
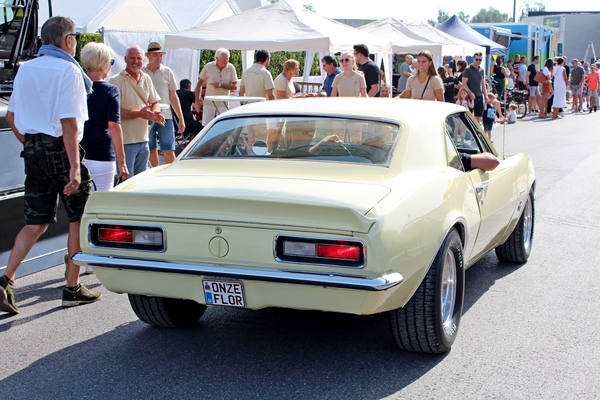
<point>527,225</point>
<point>448,299</point>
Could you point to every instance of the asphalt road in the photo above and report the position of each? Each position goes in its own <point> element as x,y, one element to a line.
<point>528,331</point>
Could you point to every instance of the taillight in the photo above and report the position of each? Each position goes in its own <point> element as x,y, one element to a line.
<point>337,251</point>
<point>345,253</point>
<point>127,237</point>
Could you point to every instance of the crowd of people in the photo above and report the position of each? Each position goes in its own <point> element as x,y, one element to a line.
<point>81,132</point>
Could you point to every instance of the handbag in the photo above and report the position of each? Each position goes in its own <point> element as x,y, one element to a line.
<point>540,77</point>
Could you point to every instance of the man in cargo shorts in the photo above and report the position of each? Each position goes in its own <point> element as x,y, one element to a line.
<point>46,113</point>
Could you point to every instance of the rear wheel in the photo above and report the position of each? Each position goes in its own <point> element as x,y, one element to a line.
<point>521,108</point>
<point>165,312</point>
<point>429,322</point>
<point>517,247</point>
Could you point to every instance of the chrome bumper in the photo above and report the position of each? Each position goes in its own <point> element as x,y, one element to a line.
<point>354,282</point>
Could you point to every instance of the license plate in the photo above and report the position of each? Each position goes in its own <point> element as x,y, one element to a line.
<point>224,293</point>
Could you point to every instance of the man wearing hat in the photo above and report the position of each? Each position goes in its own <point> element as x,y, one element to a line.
<point>139,105</point>
<point>220,77</point>
<point>166,86</point>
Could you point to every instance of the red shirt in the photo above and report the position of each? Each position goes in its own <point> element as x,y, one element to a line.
<point>592,79</point>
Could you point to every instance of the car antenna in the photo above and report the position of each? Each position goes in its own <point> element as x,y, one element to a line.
<point>503,140</point>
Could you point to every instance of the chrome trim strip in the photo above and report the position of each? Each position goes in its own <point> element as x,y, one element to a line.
<point>344,281</point>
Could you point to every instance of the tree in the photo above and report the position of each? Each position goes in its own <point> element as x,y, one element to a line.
<point>442,15</point>
<point>535,5</point>
<point>465,17</point>
<point>490,15</point>
<point>309,6</point>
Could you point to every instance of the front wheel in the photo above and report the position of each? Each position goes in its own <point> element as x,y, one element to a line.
<point>429,322</point>
<point>521,108</point>
<point>165,312</point>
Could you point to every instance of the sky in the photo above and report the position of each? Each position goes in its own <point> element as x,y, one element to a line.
<point>410,11</point>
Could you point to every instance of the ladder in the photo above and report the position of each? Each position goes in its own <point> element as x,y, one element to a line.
<point>587,52</point>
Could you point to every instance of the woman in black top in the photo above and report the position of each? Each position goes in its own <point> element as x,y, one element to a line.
<point>102,134</point>
<point>449,83</point>
<point>499,77</point>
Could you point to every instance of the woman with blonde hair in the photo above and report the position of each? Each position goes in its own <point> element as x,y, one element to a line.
<point>426,83</point>
<point>102,134</point>
<point>284,87</point>
<point>349,83</point>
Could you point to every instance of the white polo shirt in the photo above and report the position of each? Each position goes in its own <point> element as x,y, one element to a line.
<point>46,90</point>
<point>164,81</point>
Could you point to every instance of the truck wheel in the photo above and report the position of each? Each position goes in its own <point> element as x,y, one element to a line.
<point>429,322</point>
<point>517,247</point>
<point>165,312</point>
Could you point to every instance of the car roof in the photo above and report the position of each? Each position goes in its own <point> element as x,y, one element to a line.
<point>399,110</point>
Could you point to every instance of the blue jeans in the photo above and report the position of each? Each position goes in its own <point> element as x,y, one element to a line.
<point>136,157</point>
<point>166,135</point>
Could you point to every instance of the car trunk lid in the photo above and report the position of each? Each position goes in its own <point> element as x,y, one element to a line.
<point>249,201</point>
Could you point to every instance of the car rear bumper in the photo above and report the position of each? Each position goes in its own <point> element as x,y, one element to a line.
<point>335,280</point>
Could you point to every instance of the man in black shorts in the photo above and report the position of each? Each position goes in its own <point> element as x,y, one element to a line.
<point>55,83</point>
<point>474,79</point>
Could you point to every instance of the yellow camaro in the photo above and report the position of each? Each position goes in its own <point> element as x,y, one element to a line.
<point>344,205</point>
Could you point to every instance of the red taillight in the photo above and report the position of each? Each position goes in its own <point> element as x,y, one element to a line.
<point>338,251</point>
<point>115,235</point>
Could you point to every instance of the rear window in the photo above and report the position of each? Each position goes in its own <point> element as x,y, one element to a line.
<point>312,139</point>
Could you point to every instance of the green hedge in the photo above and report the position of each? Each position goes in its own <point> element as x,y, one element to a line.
<point>84,39</point>
<point>275,65</point>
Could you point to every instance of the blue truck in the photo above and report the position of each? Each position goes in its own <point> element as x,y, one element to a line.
<point>525,39</point>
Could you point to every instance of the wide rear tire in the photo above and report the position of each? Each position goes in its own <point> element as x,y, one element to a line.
<point>517,247</point>
<point>165,312</point>
<point>429,322</point>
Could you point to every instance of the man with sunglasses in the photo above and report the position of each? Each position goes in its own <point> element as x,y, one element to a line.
<point>474,80</point>
<point>46,112</point>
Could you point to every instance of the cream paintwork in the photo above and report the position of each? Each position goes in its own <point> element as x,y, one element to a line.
<point>402,212</point>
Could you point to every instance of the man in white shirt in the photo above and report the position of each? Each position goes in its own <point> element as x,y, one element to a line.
<point>257,81</point>
<point>220,78</point>
<point>164,82</point>
<point>46,113</point>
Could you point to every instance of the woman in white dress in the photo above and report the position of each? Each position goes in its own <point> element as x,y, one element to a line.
<point>349,83</point>
<point>560,87</point>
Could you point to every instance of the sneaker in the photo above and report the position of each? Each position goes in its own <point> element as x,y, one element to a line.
<point>7,296</point>
<point>531,112</point>
<point>81,296</point>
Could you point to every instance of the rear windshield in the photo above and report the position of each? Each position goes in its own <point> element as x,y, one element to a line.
<point>313,139</point>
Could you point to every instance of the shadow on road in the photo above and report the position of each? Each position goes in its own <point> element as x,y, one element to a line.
<point>266,354</point>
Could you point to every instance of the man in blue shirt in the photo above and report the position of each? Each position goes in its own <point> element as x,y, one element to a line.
<point>330,66</point>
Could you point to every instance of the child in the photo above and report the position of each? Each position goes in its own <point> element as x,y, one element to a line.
<point>511,117</point>
<point>489,115</point>
<point>592,86</point>
<point>464,99</point>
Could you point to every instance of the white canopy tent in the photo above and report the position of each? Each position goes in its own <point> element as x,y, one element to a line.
<point>402,43</point>
<point>280,27</point>
<point>128,22</point>
<point>451,46</point>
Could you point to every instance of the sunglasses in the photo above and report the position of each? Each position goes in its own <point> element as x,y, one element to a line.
<point>345,59</point>
<point>112,62</point>
<point>478,59</point>
<point>75,34</point>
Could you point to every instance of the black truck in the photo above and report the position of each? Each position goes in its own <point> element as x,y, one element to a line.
<point>19,43</point>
